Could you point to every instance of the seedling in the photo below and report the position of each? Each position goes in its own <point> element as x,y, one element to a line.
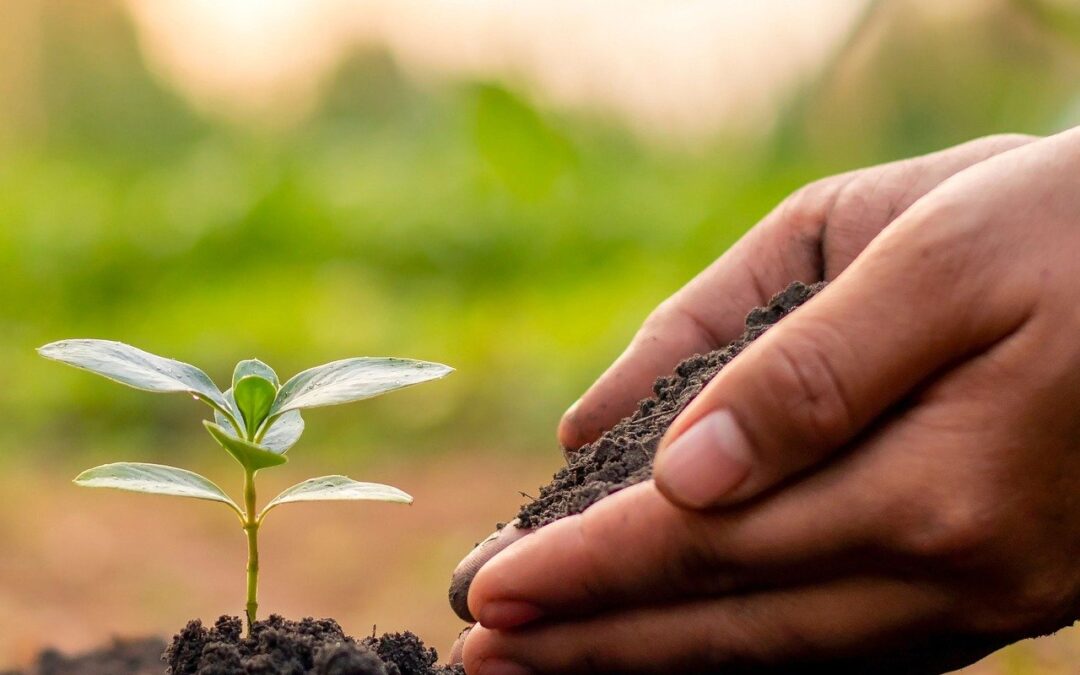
<point>256,421</point>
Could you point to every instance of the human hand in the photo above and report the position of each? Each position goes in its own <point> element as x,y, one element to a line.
<point>813,235</point>
<point>935,388</point>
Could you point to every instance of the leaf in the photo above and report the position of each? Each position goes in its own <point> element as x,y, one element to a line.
<point>132,366</point>
<point>337,488</point>
<point>254,395</point>
<point>154,479</point>
<point>254,367</point>
<point>352,380</point>
<point>283,433</point>
<point>251,456</point>
<point>234,410</point>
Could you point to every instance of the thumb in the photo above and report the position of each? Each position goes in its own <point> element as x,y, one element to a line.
<point>829,369</point>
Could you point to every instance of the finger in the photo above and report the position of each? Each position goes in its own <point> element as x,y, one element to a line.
<point>635,547</point>
<point>854,514</point>
<point>461,579</point>
<point>706,313</point>
<point>458,646</point>
<point>821,375</point>
<point>812,236</point>
<point>855,625</point>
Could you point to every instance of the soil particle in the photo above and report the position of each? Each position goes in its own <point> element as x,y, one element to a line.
<point>623,455</point>
<point>278,646</point>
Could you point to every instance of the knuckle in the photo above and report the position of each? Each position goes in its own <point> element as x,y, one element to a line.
<point>854,197</point>
<point>815,197</point>
<point>659,320</point>
<point>923,243</point>
<point>1009,140</point>
<point>808,387</point>
<point>953,530</point>
<point>806,210</point>
<point>938,223</point>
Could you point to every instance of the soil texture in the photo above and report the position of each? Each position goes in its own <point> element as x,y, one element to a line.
<point>278,646</point>
<point>623,455</point>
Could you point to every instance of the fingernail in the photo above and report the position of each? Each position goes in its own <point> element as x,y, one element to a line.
<point>706,462</point>
<point>500,667</point>
<point>503,614</point>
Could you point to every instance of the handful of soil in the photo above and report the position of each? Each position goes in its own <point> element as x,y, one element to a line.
<point>623,456</point>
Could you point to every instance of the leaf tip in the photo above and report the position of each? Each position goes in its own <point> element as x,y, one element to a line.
<point>47,350</point>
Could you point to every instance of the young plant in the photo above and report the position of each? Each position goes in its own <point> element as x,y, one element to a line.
<point>256,421</point>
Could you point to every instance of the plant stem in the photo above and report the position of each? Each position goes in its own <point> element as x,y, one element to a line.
<point>261,433</point>
<point>251,528</point>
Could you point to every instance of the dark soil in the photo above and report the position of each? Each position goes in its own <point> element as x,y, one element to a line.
<point>276,647</point>
<point>623,456</point>
<point>306,647</point>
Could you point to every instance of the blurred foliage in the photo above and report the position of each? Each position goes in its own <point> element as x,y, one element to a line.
<point>458,223</point>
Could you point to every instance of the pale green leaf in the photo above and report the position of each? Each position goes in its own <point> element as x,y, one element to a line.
<point>134,367</point>
<point>254,367</point>
<point>352,380</point>
<point>283,433</point>
<point>338,488</point>
<point>251,456</point>
<point>154,479</point>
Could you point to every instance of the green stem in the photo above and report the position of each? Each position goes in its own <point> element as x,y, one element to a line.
<point>251,528</point>
<point>264,428</point>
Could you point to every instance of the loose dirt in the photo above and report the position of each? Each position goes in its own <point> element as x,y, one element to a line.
<point>623,456</point>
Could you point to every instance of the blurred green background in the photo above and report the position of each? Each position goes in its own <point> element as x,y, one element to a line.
<point>461,220</point>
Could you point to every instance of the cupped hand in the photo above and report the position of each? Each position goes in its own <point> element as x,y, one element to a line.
<point>911,442</point>
<point>813,235</point>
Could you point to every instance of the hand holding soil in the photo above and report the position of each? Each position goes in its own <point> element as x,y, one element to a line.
<point>884,482</point>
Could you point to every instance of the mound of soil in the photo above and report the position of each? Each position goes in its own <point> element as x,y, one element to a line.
<point>623,455</point>
<point>278,646</point>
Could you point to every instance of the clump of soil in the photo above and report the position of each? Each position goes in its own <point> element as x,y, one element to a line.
<point>623,455</point>
<point>122,657</point>
<point>278,646</point>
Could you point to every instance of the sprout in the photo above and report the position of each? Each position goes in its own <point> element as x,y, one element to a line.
<point>256,421</point>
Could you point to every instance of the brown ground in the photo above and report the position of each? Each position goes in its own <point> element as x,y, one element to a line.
<point>92,564</point>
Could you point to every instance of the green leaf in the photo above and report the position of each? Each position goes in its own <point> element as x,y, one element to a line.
<point>251,456</point>
<point>254,367</point>
<point>154,479</point>
<point>283,433</point>
<point>254,395</point>
<point>337,488</point>
<point>131,366</point>
<point>352,380</point>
